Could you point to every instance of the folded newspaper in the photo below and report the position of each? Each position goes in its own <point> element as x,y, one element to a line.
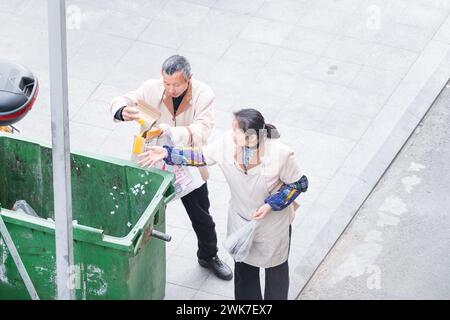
<point>187,179</point>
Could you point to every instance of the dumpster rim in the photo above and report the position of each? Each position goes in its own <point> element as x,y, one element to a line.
<point>125,243</point>
<point>81,233</point>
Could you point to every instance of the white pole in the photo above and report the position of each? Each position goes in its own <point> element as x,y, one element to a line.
<point>61,149</point>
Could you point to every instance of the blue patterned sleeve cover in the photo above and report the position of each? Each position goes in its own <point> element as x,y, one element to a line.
<point>287,194</point>
<point>191,157</point>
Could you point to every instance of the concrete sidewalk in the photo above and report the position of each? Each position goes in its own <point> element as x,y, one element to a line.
<point>346,82</point>
<point>397,245</point>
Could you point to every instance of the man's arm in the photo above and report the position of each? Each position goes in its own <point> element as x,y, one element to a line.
<point>124,108</point>
<point>119,114</point>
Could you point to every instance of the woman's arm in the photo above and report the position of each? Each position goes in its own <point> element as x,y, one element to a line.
<point>191,157</point>
<point>172,156</point>
<point>287,194</point>
<point>208,155</point>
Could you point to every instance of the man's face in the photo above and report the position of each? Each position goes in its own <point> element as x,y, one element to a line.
<point>175,84</point>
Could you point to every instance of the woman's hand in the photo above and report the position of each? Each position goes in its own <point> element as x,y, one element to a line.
<point>262,212</point>
<point>152,156</point>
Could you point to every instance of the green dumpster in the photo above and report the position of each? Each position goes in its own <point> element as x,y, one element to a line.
<point>116,205</point>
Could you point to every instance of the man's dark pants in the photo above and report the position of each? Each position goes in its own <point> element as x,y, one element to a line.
<point>197,206</point>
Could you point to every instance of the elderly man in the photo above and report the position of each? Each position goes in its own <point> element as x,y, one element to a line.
<point>186,110</point>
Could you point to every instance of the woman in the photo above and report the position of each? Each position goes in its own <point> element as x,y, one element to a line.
<point>264,180</point>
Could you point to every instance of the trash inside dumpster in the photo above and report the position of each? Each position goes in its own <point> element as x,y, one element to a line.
<point>119,221</point>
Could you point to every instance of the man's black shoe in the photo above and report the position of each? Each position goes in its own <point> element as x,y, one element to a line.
<point>220,268</point>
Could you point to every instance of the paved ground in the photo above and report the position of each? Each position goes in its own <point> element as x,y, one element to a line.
<point>397,247</point>
<point>331,74</point>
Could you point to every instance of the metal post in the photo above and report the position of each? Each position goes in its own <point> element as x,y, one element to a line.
<point>61,149</point>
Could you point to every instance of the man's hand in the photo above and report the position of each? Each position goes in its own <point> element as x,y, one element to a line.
<point>152,156</point>
<point>262,212</point>
<point>131,113</point>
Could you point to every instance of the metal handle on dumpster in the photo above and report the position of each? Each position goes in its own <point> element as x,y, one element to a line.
<point>161,236</point>
<point>145,236</point>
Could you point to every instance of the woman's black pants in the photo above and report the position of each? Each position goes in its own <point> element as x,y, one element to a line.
<point>247,284</point>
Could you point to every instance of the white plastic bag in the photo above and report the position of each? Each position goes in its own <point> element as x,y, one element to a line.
<point>23,207</point>
<point>238,244</point>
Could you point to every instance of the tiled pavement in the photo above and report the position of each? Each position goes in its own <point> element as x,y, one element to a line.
<point>336,77</point>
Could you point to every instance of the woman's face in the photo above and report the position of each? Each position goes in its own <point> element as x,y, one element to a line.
<point>240,138</point>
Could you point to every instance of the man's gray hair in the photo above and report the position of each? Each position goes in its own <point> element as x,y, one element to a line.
<point>177,63</point>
